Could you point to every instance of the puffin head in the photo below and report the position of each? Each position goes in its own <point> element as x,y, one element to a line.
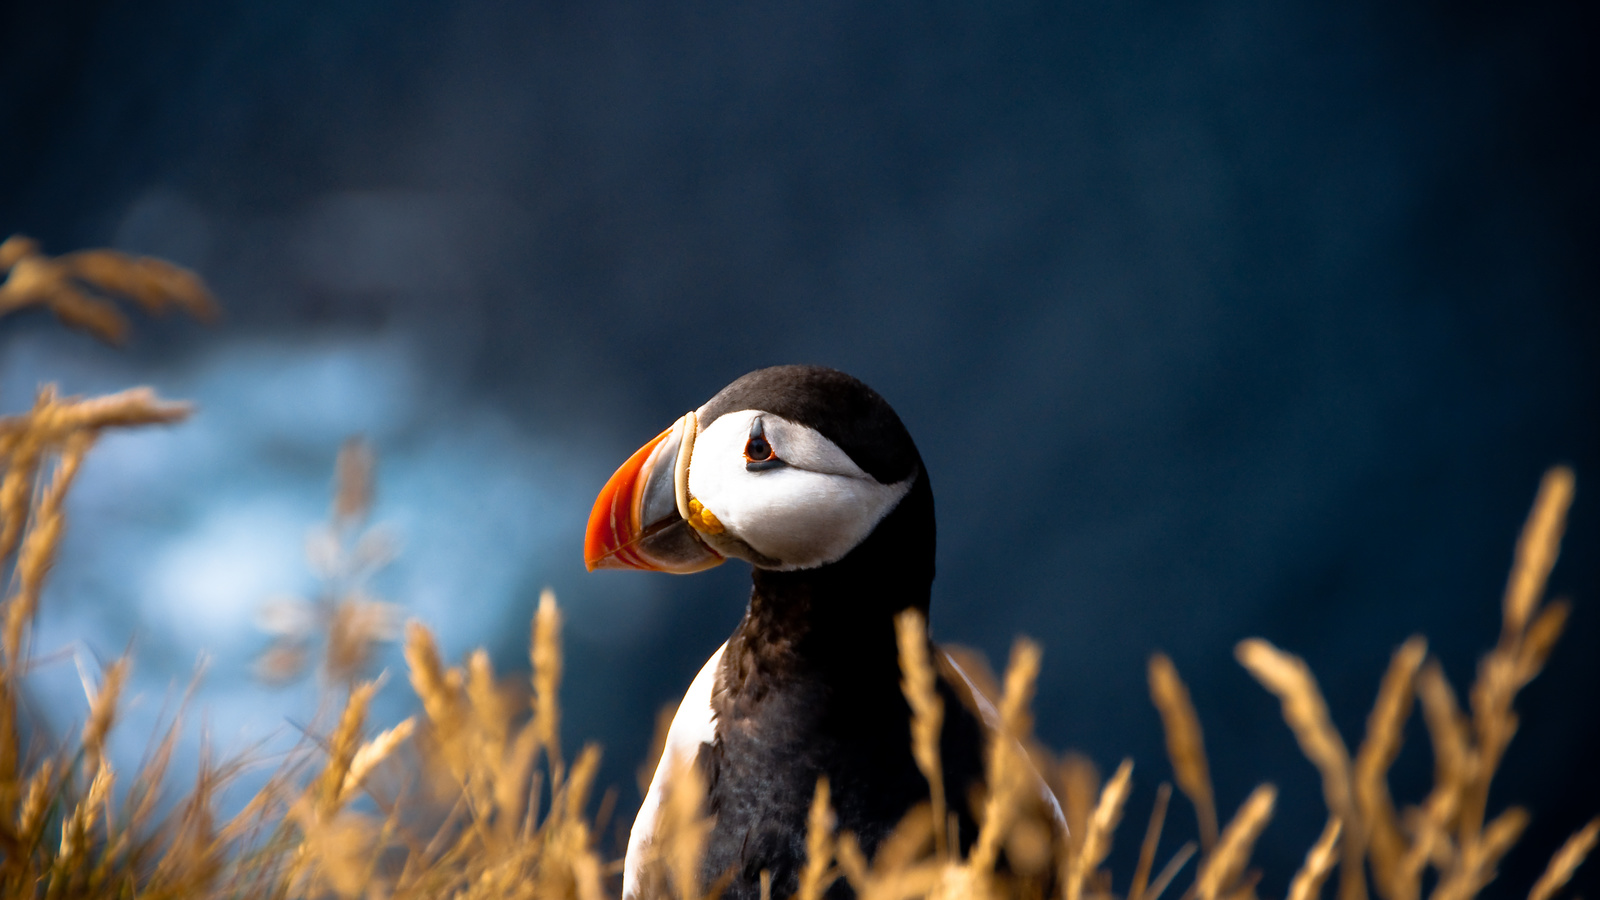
<point>790,468</point>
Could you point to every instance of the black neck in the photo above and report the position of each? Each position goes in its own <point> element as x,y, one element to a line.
<point>840,615</point>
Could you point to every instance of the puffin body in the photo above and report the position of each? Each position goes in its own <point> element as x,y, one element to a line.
<point>810,476</point>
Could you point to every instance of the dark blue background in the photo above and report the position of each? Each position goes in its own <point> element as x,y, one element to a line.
<point>1211,319</point>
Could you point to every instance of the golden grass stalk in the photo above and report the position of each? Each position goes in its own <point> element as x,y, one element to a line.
<point>1185,743</point>
<point>1385,731</point>
<point>41,789</point>
<point>1170,871</point>
<point>547,677</point>
<point>353,480</point>
<point>908,842</point>
<point>512,795</point>
<point>343,555</point>
<point>489,712</point>
<point>1478,857</point>
<point>51,439</point>
<point>1566,861</point>
<point>685,830</point>
<point>1022,675</point>
<point>37,552</point>
<point>370,754</point>
<point>901,869</point>
<point>1454,758</point>
<point>852,863</point>
<point>815,878</point>
<point>1431,842</point>
<point>1152,840</point>
<point>1097,839</point>
<point>1219,872</point>
<point>1287,676</point>
<point>343,745</point>
<point>927,713</point>
<point>574,793</point>
<point>1516,659</point>
<point>77,287</point>
<point>12,774</point>
<point>81,821</point>
<point>67,426</point>
<point>102,711</point>
<point>1007,771</point>
<point>1537,549</point>
<point>440,691</point>
<point>1307,883</point>
<point>14,248</point>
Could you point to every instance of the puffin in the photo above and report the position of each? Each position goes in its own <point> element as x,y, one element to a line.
<point>808,475</point>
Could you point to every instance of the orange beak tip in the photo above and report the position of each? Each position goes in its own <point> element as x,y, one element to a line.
<point>611,521</point>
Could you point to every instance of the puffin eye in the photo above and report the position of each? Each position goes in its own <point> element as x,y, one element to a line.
<point>757,452</point>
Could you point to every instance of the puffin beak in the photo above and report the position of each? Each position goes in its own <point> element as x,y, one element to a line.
<point>638,519</point>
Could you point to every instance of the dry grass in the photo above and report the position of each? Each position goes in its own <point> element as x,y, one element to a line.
<point>344,616</point>
<point>79,287</point>
<point>927,713</point>
<point>473,798</point>
<point>1185,744</point>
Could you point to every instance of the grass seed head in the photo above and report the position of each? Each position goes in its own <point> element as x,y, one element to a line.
<point>77,287</point>
<point>1287,676</point>
<point>547,675</point>
<point>1219,873</point>
<point>353,482</point>
<point>1386,842</point>
<point>489,710</point>
<point>1537,549</point>
<point>927,710</point>
<point>41,791</point>
<point>853,863</point>
<point>1102,825</point>
<point>1454,758</point>
<point>1566,861</point>
<point>1185,743</point>
<point>1009,775</point>
<point>1307,883</point>
<point>1475,865</point>
<point>342,747</point>
<point>102,711</point>
<point>369,755</point>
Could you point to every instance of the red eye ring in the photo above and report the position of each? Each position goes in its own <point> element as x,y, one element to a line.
<point>758,452</point>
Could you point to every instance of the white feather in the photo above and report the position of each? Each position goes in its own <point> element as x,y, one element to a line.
<point>991,718</point>
<point>807,513</point>
<point>692,726</point>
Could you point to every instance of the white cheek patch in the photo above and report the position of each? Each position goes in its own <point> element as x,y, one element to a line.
<point>805,514</point>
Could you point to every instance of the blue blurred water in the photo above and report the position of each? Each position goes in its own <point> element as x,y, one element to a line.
<point>180,536</point>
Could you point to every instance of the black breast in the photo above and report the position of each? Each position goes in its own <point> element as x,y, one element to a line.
<point>776,738</point>
<point>810,686</point>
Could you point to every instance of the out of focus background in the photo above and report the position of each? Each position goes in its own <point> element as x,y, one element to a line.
<point>1210,319</point>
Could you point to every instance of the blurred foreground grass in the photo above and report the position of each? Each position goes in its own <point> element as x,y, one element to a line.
<point>473,798</point>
